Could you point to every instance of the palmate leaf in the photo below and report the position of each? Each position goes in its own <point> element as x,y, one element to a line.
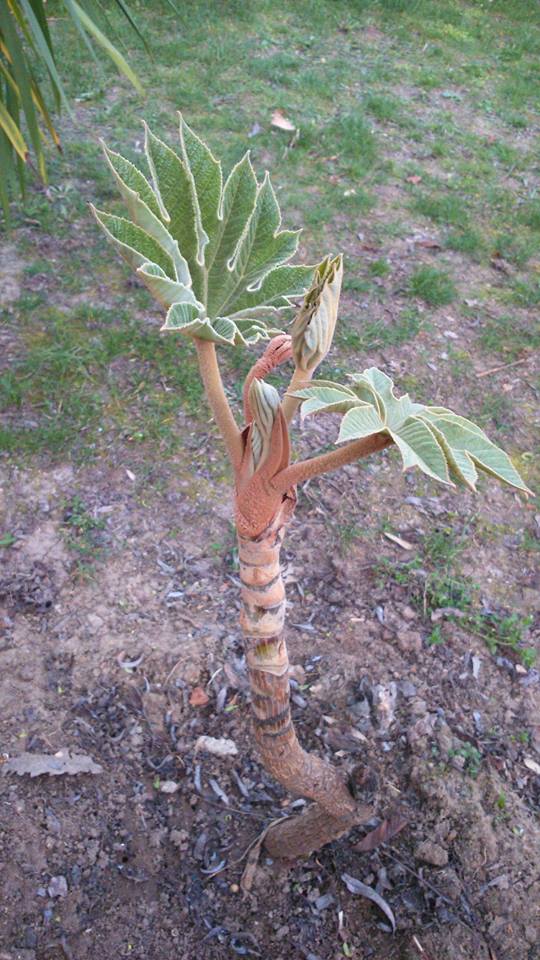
<point>442,444</point>
<point>212,253</point>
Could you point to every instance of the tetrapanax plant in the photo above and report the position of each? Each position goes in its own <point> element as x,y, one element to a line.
<point>215,256</point>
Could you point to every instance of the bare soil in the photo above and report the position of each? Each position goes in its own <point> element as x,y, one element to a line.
<point>103,656</point>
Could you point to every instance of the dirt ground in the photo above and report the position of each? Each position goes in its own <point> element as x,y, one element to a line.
<point>103,659</point>
<point>119,636</point>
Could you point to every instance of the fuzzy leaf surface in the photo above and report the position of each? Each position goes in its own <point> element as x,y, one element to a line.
<point>218,249</point>
<point>437,441</point>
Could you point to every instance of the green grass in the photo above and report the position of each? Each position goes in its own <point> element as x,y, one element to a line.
<point>362,336</point>
<point>530,214</point>
<point>83,535</point>
<point>442,209</point>
<point>435,287</point>
<point>386,89</point>
<point>510,336</point>
<point>432,580</point>
<point>383,107</point>
<point>468,241</point>
<point>94,372</point>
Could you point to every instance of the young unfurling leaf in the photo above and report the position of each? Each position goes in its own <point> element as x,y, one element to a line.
<point>313,328</point>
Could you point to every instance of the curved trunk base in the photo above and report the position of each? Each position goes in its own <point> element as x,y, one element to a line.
<point>302,835</point>
<point>335,810</point>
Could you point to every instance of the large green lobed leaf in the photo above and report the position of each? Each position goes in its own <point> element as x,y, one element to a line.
<point>212,253</point>
<point>442,444</point>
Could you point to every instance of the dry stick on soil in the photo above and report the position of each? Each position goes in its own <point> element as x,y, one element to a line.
<point>214,256</point>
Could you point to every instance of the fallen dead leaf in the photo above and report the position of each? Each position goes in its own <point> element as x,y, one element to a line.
<point>414,178</point>
<point>532,765</point>
<point>199,697</point>
<point>356,886</point>
<point>61,762</point>
<point>428,244</point>
<point>395,822</point>
<point>281,122</point>
<point>252,855</point>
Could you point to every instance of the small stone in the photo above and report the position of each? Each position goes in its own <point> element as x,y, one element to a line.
<point>57,887</point>
<point>180,838</point>
<point>408,613</point>
<point>95,622</point>
<point>297,672</point>
<point>409,641</point>
<point>325,901</point>
<point>431,853</point>
<point>169,786</point>
<point>407,689</point>
<point>384,705</point>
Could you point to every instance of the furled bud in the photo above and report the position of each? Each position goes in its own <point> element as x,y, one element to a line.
<point>264,403</point>
<point>313,329</point>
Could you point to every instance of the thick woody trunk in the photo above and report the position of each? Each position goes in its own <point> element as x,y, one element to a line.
<point>335,810</point>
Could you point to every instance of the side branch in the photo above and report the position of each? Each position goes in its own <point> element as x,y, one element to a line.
<point>326,462</point>
<point>219,405</point>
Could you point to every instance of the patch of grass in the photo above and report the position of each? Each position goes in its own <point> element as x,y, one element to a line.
<point>496,410</point>
<point>530,214</point>
<point>68,391</point>
<point>510,336</point>
<point>441,209</point>
<point>472,757</point>
<point>433,286</point>
<point>7,540</point>
<point>468,241</point>
<point>83,534</point>
<point>530,542</point>
<point>517,248</point>
<point>379,268</point>
<point>526,293</point>
<point>383,107</point>
<point>350,137</point>
<point>434,582</point>
<point>371,334</point>
<point>504,633</point>
<point>435,638</point>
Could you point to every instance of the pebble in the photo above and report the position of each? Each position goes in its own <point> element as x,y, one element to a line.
<point>180,838</point>
<point>408,613</point>
<point>325,901</point>
<point>57,887</point>
<point>409,641</point>
<point>431,853</point>
<point>169,786</point>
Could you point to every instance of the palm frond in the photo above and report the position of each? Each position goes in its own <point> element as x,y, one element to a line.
<point>26,52</point>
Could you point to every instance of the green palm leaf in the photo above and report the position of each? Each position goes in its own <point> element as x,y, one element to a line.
<point>26,57</point>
